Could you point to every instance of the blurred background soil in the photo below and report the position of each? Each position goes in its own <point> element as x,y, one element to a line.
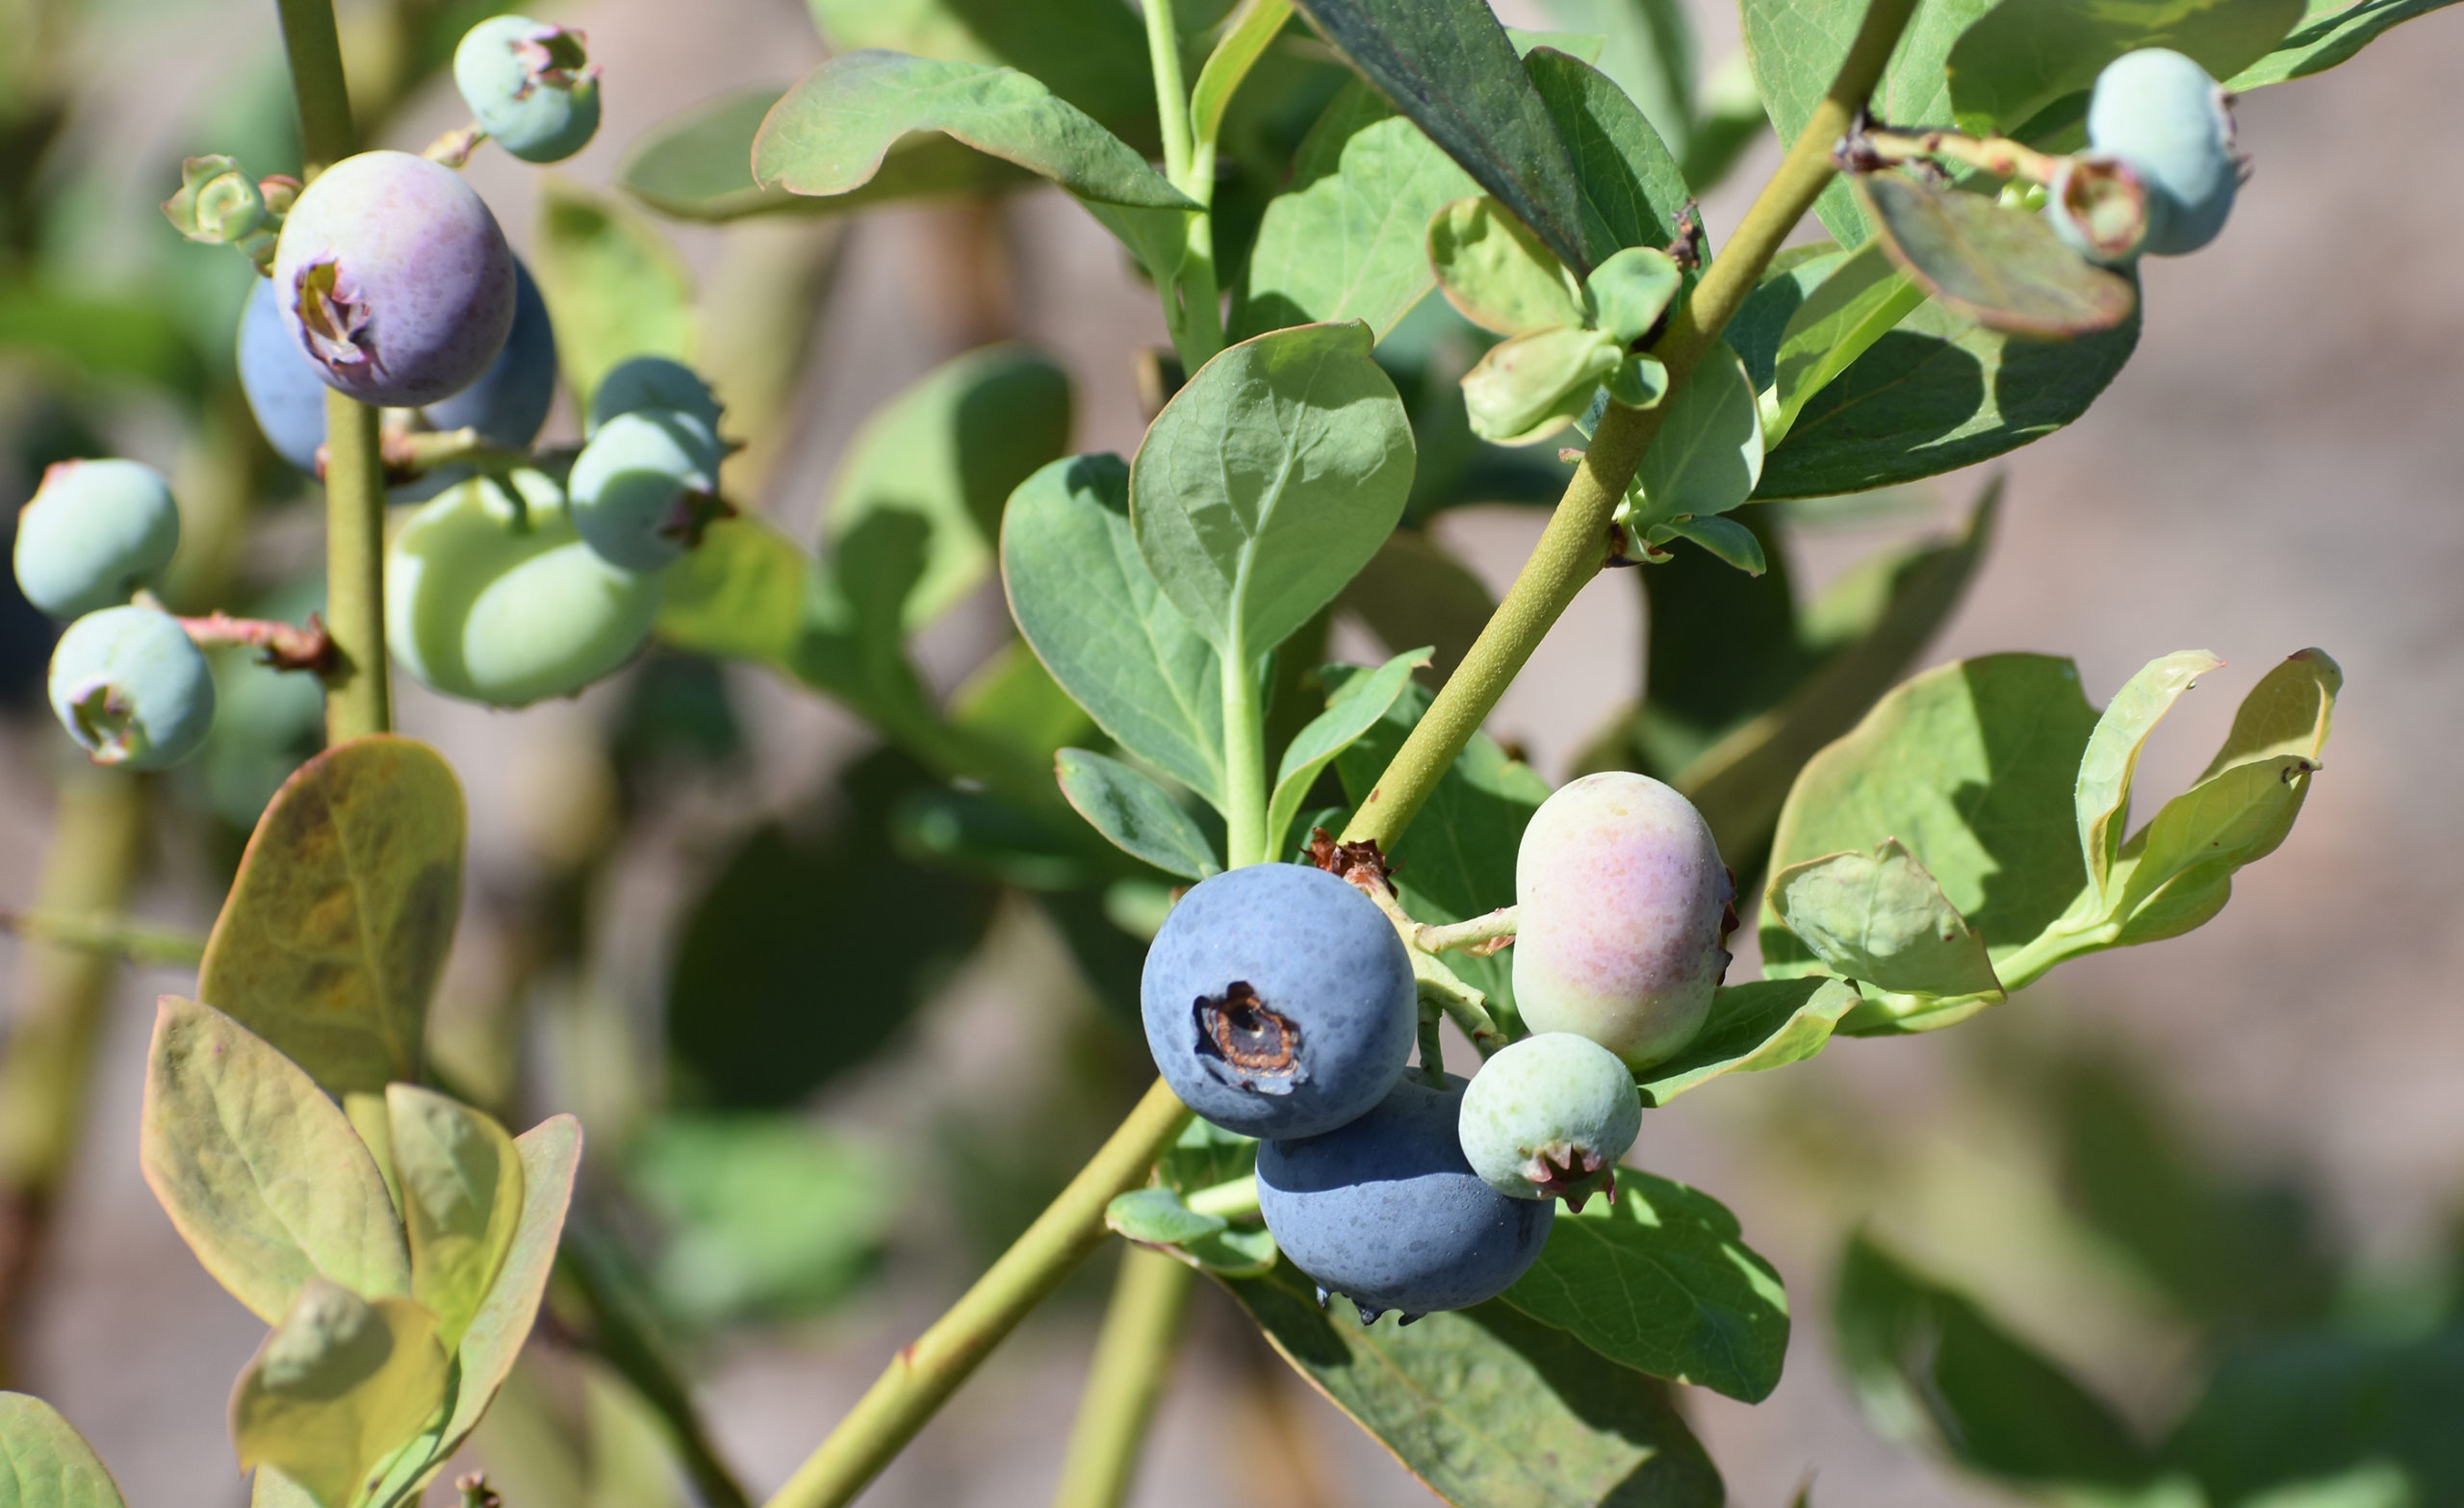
<point>2278,467</point>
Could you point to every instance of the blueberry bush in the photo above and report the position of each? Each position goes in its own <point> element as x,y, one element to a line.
<point>1408,259</point>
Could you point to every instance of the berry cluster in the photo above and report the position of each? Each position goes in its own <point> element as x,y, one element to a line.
<point>1280,1002</point>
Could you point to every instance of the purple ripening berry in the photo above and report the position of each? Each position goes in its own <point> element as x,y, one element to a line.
<point>394,279</point>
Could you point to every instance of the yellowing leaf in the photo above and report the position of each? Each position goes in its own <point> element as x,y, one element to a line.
<point>339,1385</point>
<point>461,1184</point>
<point>551,1153</point>
<point>260,1172</point>
<point>1880,918</point>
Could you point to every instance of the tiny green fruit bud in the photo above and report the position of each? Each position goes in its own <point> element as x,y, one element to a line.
<point>217,205</point>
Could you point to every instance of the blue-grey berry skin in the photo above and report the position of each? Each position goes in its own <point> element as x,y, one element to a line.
<point>508,405</point>
<point>643,382</point>
<point>2162,113</point>
<point>393,277</point>
<point>1387,1212</point>
<point>92,534</point>
<point>641,486</point>
<point>132,688</point>
<point>529,86</point>
<point>1278,1001</point>
<point>1549,1117</point>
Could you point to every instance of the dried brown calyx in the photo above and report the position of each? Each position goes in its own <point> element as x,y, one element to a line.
<point>1249,1042</point>
<point>335,317</point>
<point>1361,864</point>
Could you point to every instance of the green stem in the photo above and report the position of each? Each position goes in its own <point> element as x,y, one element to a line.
<point>927,1370</point>
<point>1172,96</point>
<point>316,53</point>
<point>110,935</point>
<point>46,1063</point>
<point>1432,1042</point>
<point>625,1337</point>
<point>1574,545</point>
<point>1487,927</point>
<point>1236,1199</point>
<point>1192,304</point>
<point>1245,840</point>
<point>1133,1359</point>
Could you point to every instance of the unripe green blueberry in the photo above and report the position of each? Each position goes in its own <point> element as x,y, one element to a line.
<point>2100,208</point>
<point>1549,1117</point>
<point>132,688</point>
<point>1624,906</point>
<point>530,87</point>
<point>491,596</point>
<point>93,534</point>
<point>643,487</point>
<point>2162,113</point>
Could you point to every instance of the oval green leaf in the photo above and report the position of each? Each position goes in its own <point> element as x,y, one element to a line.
<point>2001,266</point>
<point>46,1464</point>
<point>1497,273</point>
<point>460,1178</point>
<point>1633,192</point>
<point>1137,815</point>
<point>1881,919</point>
<point>550,1154</point>
<point>341,1384</point>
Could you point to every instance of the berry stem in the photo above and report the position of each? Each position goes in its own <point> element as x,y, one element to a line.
<point>1493,927</point>
<point>1133,1360</point>
<point>108,934</point>
<point>1432,1045</point>
<point>1864,151</point>
<point>926,1372</point>
<point>1234,1200</point>
<point>1574,545</point>
<point>285,646</point>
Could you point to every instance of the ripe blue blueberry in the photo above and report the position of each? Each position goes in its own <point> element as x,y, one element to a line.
<point>490,596</point>
<point>1624,905</point>
<point>645,486</point>
<point>2159,112</point>
<point>530,87</point>
<point>1549,1117</point>
<point>393,277</point>
<point>132,688</point>
<point>1278,1001</point>
<point>508,405</point>
<point>643,382</point>
<point>94,532</point>
<point>1387,1212</point>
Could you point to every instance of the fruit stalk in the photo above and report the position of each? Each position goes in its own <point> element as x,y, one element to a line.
<point>1574,545</point>
<point>925,1372</point>
<point>110,935</point>
<point>1133,1357</point>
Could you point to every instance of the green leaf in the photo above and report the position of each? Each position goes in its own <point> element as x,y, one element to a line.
<point>2179,871</point>
<point>2329,33</point>
<point>2310,1419</point>
<point>740,594</point>
<point>1348,238</point>
<point>1351,710</point>
<point>1861,298</point>
<point>1766,1024</point>
<point>697,164</point>
<point>1456,860</point>
<point>99,336</point>
<point>259,1171</point>
<point>764,1217</point>
<point>1534,385</point>
<point>766,1000</point>
<point>1012,697</point>
<point>1971,766</point>
<point>2002,266</point>
<point>551,1156</point>
<point>46,1464</point>
<point>1629,292</point>
<point>341,1384</point>
<point>338,922</point>
<point>830,132</point>
<point>1661,1282</point>
<point>1709,456</point>
<point>1881,919</point>
<point>1450,68</point>
<point>461,1184</point>
<point>1497,273</point>
<point>1087,604</point>
<point>615,288</point>
<point>1414,592</point>
<point>1650,52</point>
<point>949,450</point>
<point>2111,762</point>
<point>1488,1407</point>
<point>1267,482</point>
<point>2023,56</point>
<point>1632,193</point>
<point>1092,53</point>
<point>1158,1217</point>
<point>1137,815</point>
<point>1926,1363</point>
<point>2288,712</point>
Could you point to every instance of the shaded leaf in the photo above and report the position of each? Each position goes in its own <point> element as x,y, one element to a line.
<point>615,288</point>
<point>1450,68</point>
<point>1268,481</point>
<point>1534,385</point>
<point>1859,300</point>
<point>739,595</point>
<point>46,1464</point>
<point>697,164</point>
<point>1092,53</point>
<point>1765,1024</point>
<point>460,1179</point>
<point>2023,56</point>
<point>1661,1282</point>
<point>1709,455</point>
<point>1158,1217</point>
<point>2111,762</point>
<point>1095,616</point>
<point>551,1156</point>
<point>341,1384</point>
<point>337,925</point>
<point>1881,919</point>
<point>98,336</point>
<point>949,450</point>
<point>1926,1363</point>
<point>1137,815</point>
<point>1497,273</point>
<point>1633,192</point>
<point>2002,266</point>
<point>2319,1419</point>
<point>830,132</point>
<point>1350,712</point>
<point>1488,1407</point>
<point>1013,697</point>
<point>260,1172</point>
<point>2329,32</point>
<point>1414,592</point>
